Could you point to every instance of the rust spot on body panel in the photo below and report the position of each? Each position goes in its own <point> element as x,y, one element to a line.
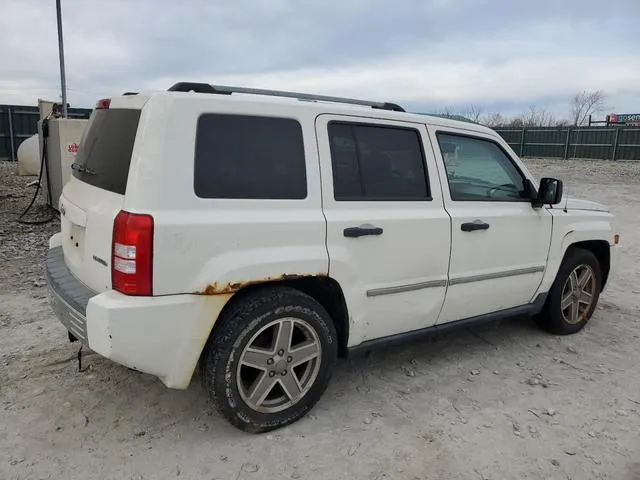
<point>217,288</point>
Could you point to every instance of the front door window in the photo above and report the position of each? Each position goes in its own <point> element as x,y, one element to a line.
<point>479,170</point>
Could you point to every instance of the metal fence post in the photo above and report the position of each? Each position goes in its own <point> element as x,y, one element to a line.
<point>615,144</point>
<point>566,144</point>
<point>12,144</point>
<point>522,142</point>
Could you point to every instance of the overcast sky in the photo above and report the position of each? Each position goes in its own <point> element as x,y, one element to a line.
<point>503,55</point>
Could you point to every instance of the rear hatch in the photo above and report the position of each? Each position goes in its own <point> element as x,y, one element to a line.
<point>95,193</point>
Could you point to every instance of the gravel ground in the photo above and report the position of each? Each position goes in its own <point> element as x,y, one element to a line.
<point>495,402</point>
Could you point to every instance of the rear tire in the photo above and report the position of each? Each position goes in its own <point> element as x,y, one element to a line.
<point>269,359</point>
<point>574,294</point>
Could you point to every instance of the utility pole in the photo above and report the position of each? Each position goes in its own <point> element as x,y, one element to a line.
<point>63,80</point>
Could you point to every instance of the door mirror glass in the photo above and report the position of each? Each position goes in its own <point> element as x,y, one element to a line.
<point>550,191</point>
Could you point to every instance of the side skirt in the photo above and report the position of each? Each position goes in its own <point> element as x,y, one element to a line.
<point>529,309</point>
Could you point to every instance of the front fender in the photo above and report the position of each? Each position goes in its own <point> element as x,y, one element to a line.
<point>571,228</point>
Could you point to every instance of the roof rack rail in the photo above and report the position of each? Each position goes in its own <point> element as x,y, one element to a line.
<point>227,90</point>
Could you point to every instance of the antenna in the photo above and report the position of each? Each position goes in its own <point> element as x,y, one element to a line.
<point>566,201</point>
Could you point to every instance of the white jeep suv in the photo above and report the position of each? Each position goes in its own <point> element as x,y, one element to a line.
<point>261,234</point>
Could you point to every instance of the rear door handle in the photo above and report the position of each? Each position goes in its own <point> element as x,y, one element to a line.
<point>473,226</point>
<point>355,232</point>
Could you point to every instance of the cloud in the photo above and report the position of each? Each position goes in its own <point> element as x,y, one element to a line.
<point>502,55</point>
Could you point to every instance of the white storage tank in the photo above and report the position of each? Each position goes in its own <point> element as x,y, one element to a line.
<point>29,156</point>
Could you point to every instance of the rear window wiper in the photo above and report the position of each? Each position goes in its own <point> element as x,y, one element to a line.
<point>82,169</point>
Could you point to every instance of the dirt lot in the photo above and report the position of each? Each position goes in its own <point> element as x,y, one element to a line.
<point>496,402</point>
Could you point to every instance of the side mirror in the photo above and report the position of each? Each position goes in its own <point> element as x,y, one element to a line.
<point>550,191</point>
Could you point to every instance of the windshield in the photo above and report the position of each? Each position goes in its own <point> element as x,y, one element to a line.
<point>105,149</point>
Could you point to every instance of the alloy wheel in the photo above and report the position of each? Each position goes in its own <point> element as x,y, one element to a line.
<point>278,365</point>
<point>578,294</point>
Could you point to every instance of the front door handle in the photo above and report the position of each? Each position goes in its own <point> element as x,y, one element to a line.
<point>355,232</point>
<point>473,226</point>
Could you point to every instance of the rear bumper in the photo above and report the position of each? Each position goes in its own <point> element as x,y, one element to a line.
<point>162,336</point>
<point>69,297</point>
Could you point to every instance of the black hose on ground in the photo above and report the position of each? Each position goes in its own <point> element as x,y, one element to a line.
<point>45,134</point>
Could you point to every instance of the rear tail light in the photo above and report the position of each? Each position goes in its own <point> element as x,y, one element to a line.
<point>132,254</point>
<point>103,104</point>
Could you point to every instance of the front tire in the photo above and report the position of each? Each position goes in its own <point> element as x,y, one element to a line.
<point>574,294</point>
<point>270,359</point>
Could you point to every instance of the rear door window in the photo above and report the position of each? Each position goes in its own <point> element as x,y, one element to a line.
<point>104,155</point>
<point>377,163</point>
<point>249,157</point>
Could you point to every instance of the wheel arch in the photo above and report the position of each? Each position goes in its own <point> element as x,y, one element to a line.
<point>323,289</point>
<point>601,250</point>
<point>593,235</point>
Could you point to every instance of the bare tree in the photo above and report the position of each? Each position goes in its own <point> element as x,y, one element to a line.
<point>516,122</point>
<point>535,117</point>
<point>538,117</point>
<point>562,122</point>
<point>473,113</point>
<point>494,120</point>
<point>448,112</point>
<point>584,104</point>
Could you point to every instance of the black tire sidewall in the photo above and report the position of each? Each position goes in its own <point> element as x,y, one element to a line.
<point>574,258</point>
<point>240,328</point>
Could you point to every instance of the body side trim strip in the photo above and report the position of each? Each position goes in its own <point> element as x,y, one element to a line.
<point>376,292</point>
<point>492,276</point>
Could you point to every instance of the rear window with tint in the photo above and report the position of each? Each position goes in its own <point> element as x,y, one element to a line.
<point>105,150</point>
<point>377,163</point>
<point>249,157</point>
